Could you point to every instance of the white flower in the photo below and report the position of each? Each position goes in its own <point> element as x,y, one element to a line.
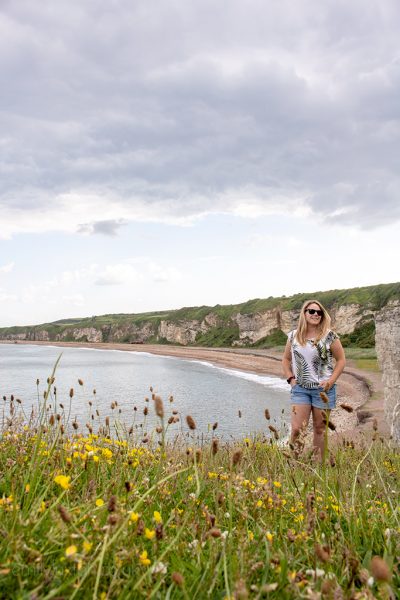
<point>370,582</point>
<point>158,567</point>
<point>316,573</point>
<point>193,544</point>
<point>224,534</point>
<point>227,515</point>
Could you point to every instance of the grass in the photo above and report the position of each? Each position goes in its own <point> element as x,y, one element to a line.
<point>103,510</point>
<point>369,364</point>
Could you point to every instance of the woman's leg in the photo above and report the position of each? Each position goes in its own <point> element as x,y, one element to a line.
<point>300,417</point>
<point>319,427</point>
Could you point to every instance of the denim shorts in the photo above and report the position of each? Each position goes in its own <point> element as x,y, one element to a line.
<point>302,395</point>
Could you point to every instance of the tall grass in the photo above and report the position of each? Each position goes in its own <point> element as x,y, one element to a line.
<point>99,511</point>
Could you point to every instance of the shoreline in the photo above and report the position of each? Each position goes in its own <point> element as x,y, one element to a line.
<point>362,390</point>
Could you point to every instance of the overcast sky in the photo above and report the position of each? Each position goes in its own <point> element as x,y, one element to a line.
<point>157,154</point>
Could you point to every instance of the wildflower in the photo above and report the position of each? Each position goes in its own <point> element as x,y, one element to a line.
<point>159,568</point>
<point>322,552</point>
<point>149,533</point>
<point>99,502</point>
<point>27,487</point>
<point>134,517</point>
<point>63,481</point>
<point>144,560</point>
<point>380,569</point>
<point>269,536</point>
<point>315,573</point>
<point>250,535</point>
<point>157,517</point>
<point>71,551</point>
<point>215,532</point>
<point>87,546</point>
<point>277,484</point>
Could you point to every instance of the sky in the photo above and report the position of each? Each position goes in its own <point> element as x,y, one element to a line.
<point>156,154</point>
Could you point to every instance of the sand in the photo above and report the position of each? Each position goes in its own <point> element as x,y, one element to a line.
<point>360,389</point>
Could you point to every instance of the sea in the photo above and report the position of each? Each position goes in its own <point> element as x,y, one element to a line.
<point>119,385</point>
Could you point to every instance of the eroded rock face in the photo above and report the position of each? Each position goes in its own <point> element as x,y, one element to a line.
<point>253,327</point>
<point>183,332</point>
<point>387,340</point>
<point>346,317</point>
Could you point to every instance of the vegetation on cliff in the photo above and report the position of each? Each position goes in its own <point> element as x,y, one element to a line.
<point>226,331</point>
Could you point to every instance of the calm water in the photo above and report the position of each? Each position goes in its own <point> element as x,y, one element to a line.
<point>206,392</point>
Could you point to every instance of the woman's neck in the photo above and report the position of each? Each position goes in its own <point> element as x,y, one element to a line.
<point>312,332</point>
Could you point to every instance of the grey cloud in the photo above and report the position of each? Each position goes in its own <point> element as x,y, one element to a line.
<point>109,227</point>
<point>186,106</point>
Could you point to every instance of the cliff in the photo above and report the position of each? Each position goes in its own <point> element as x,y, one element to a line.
<point>256,322</point>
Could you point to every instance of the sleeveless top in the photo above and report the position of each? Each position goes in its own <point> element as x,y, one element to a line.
<point>312,363</point>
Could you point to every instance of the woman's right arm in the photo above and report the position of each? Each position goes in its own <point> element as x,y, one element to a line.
<point>287,363</point>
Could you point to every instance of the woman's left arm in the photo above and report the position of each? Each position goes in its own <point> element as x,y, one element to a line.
<point>338,355</point>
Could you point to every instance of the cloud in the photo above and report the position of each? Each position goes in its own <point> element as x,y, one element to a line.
<point>110,227</point>
<point>7,268</point>
<point>119,274</point>
<point>267,110</point>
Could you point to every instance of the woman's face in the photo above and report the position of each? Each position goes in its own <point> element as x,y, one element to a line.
<point>313,318</point>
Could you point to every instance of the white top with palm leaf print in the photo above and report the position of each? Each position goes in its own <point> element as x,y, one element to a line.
<point>312,363</point>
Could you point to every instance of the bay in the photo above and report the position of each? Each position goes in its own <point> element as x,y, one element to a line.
<point>235,399</point>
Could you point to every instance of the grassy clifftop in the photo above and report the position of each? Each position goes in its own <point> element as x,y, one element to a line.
<point>370,297</point>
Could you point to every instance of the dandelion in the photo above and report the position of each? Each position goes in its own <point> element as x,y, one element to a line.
<point>143,558</point>
<point>87,546</point>
<point>63,481</point>
<point>71,551</point>
<point>269,536</point>
<point>191,422</point>
<point>277,484</point>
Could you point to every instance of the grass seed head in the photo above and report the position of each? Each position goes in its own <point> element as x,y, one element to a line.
<point>71,393</point>
<point>64,514</point>
<point>267,415</point>
<point>322,552</point>
<point>346,407</point>
<point>237,457</point>
<point>214,427</point>
<point>80,381</point>
<point>215,532</point>
<point>214,446</point>
<point>380,569</point>
<point>178,578</point>
<point>324,397</point>
<point>159,406</point>
<point>375,424</point>
<point>191,422</point>
<point>112,504</point>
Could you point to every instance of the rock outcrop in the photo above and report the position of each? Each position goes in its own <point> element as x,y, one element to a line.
<point>387,340</point>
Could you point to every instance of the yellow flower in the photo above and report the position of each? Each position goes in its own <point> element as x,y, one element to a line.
<point>27,487</point>
<point>134,517</point>
<point>106,452</point>
<point>63,481</point>
<point>99,502</point>
<point>95,458</point>
<point>70,551</point>
<point>277,484</point>
<point>143,558</point>
<point>149,533</point>
<point>157,517</point>
<point>87,546</point>
<point>259,503</point>
<point>269,536</point>
<point>190,478</point>
<point>251,535</point>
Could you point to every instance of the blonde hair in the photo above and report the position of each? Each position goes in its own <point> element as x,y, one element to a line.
<point>324,324</point>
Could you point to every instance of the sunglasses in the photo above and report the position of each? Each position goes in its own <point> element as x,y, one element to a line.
<point>312,311</point>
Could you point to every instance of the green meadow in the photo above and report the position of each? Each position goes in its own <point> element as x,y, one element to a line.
<point>106,510</point>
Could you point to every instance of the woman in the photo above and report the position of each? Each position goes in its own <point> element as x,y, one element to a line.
<point>308,368</point>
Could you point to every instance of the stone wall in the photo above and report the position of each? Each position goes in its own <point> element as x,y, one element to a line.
<point>387,340</point>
